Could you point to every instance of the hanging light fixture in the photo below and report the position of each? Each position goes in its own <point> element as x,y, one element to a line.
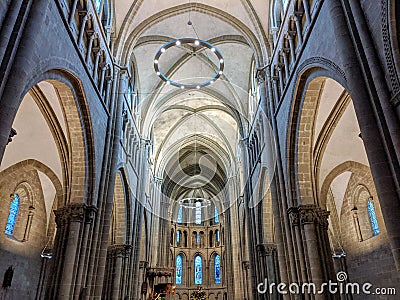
<point>195,43</point>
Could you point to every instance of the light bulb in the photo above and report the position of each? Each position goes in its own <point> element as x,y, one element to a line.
<point>196,42</point>
<point>178,43</point>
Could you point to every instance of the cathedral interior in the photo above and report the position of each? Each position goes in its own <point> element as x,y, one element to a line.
<point>199,149</point>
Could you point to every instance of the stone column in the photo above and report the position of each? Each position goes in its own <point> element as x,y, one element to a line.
<point>306,6</point>
<point>290,36</point>
<point>75,219</point>
<point>271,260</point>
<point>297,20</point>
<point>98,52</point>
<point>69,256</point>
<point>298,243</point>
<point>372,121</point>
<point>80,283</point>
<point>281,81</point>
<point>83,26</point>
<point>277,95</point>
<point>308,219</point>
<point>72,10</point>
<point>285,52</point>
<point>118,257</point>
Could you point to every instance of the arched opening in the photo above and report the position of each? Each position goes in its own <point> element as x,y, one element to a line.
<point>43,156</point>
<point>331,172</point>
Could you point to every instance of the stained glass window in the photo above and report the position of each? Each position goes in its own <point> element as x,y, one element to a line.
<point>178,269</point>
<point>97,4</point>
<point>179,220</point>
<point>198,214</point>
<point>217,269</point>
<point>216,216</point>
<point>198,270</point>
<point>218,236</point>
<point>372,218</point>
<point>198,238</point>
<point>178,236</point>
<point>12,216</point>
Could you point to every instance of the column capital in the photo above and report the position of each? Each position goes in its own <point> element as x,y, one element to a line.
<point>75,212</point>
<point>308,213</point>
<point>122,250</point>
<point>323,216</point>
<point>261,74</point>
<point>293,213</point>
<point>266,249</point>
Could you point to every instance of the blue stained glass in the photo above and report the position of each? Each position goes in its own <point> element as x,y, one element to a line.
<point>178,236</point>
<point>218,236</point>
<point>179,220</point>
<point>217,266</point>
<point>12,217</point>
<point>216,216</point>
<point>178,269</point>
<point>198,214</point>
<point>198,238</point>
<point>97,5</point>
<point>198,270</point>
<point>372,218</point>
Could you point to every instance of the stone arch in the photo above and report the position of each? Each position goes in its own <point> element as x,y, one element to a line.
<point>77,115</point>
<point>34,229</point>
<point>38,166</point>
<point>352,166</point>
<point>312,75</point>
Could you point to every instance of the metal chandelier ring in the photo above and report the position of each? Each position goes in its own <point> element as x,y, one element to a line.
<point>197,43</point>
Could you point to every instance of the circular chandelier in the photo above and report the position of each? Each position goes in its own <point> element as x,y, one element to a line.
<point>193,203</point>
<point>196,43</point>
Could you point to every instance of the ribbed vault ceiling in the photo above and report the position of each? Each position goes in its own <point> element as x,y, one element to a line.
<point>214,116</point>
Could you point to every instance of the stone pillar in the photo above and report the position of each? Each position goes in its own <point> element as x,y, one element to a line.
<point>306,6</point>
<point>310,224</point>
<point>290,36</point>
<point>285,52</point>
<point>98,52</point>
<point>375,132</point>
<point>69,255</point>
<point>308,219</point>
<point>72,10</point>
<point>281,81</point>
<point>277,95</point>
<point>272,267</point>
<point>118,253</point>
<point>83,26</point>
<point>298,243</point>
<point>297,20</point>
